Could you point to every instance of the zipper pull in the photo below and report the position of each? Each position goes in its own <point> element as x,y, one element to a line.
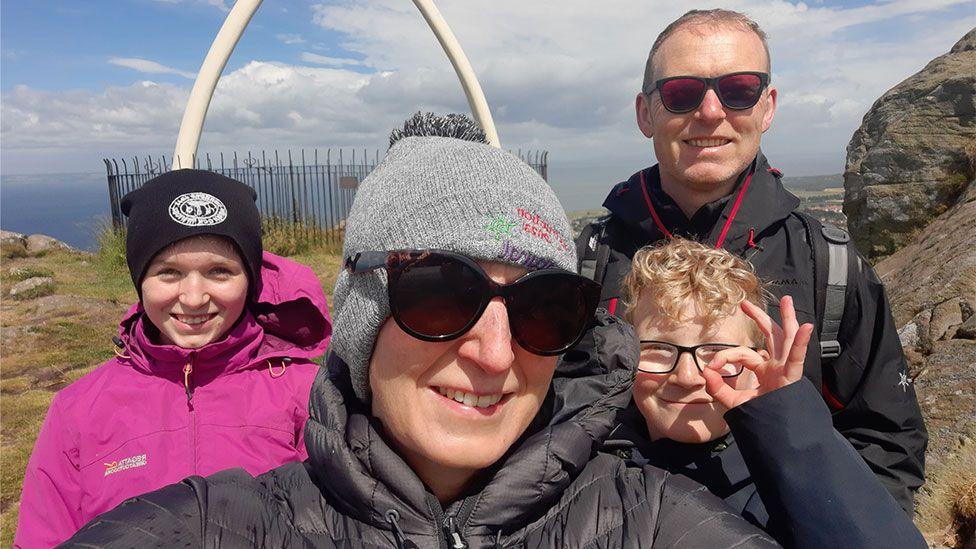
<point>187,370</point>
<point>453,536</point>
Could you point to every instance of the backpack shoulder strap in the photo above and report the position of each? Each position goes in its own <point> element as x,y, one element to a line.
<point>831,264</point>
<point>592,250</point>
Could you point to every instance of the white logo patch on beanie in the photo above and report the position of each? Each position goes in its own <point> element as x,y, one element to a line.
<point>197,210</point>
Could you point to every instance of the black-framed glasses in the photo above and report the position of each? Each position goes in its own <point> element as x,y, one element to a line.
<point>661,357</point>
<point>437,295</point>
<point>737,90</point>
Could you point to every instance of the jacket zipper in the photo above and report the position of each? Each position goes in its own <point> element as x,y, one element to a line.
<point>455,524</point>
<point>187,384</point>
<point>187,370</point>
<point>454,539</point>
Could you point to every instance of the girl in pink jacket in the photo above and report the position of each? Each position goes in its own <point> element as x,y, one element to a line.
<point>214,363</point>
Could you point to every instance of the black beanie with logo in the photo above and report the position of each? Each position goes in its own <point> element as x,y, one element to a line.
<point>184,203</point>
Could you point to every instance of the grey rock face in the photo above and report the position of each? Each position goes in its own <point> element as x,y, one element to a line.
<point>914,153</point>
<point>39,243</point>
<point>12,245</point>
<point>931,283</point>
<point>56,306</point>
<point>18,245</point>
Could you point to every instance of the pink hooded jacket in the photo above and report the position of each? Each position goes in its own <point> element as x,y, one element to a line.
<point>159,413</point>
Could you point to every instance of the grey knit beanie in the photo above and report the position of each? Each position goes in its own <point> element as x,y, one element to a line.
<point>448,194</point>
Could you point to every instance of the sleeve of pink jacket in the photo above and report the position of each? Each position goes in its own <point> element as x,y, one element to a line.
<point>50,503</point>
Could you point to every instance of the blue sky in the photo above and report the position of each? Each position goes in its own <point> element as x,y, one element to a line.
<point>84,80</point>
<point>68,45</point>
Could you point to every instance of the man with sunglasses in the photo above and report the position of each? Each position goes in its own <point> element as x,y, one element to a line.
<point>436,423</point>
<point>706,100</point>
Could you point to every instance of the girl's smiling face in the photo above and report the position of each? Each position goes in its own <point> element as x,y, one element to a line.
<point>195,290</point>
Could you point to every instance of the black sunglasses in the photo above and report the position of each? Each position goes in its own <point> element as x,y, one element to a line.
<point>661,357</point>
<point>737,90</point>
<point>437,295</point>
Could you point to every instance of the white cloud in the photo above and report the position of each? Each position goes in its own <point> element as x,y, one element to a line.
<point>557,77</point>
<point>148,67</point>
<point>329,61</point>
<point>290,38</point>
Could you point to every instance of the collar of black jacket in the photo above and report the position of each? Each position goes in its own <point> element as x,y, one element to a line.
<point>363,477</point>
<point>631,434</point>
<point>764,202</point>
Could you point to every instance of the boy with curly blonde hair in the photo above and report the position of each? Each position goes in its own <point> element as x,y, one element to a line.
<point>721,398</point>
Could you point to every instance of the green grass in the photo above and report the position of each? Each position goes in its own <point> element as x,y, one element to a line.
<point>22,416</point>
<point>110,249</point>
<point>326,264</point>
<point>80,344</point>
<point>288,238</point>
<point>29,272</point>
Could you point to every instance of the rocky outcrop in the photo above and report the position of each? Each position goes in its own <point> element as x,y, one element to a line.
<point>914,154</point>
<point>910,198</point>
<point>931,283</point>
<point>12,245</point>
<point>37,286</point>
<point>41,243</point>
<point>19,245</point>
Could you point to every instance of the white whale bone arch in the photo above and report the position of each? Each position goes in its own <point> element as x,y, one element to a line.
<point>188,140</point>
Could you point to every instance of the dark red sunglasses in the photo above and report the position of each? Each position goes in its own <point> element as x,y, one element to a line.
<point>737,90</point>
<point>437,295</point>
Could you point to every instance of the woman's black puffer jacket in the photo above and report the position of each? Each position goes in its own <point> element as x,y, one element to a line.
<point>551,490</point>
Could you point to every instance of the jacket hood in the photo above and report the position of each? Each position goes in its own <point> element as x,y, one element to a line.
<point>360,474</point>
<point>763,202</point>
<point>288,320</point>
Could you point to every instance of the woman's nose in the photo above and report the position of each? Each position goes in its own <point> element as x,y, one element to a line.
<point>489,342</point>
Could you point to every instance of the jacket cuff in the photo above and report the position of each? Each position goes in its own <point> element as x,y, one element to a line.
<point>795,409</point>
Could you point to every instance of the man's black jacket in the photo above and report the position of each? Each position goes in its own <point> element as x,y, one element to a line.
<point>873,402</point>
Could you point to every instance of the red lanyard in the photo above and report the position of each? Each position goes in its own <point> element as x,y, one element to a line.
<point>728,222</point>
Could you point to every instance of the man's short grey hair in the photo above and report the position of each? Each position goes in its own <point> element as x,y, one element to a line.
<point>713,18</point>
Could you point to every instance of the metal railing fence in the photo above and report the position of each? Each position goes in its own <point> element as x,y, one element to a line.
<point>310,193</point>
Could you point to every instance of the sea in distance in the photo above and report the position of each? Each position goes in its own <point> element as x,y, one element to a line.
<point>69,207</point>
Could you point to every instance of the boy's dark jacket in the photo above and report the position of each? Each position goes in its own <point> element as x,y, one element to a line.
<point>551,490</point>
<point>785,469</point>
<point>871,398</point>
